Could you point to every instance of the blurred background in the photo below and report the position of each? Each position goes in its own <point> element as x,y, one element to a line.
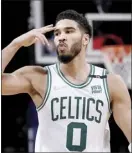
<point>110,47</point>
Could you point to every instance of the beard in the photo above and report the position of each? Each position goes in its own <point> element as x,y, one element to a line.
<point>74,51</point>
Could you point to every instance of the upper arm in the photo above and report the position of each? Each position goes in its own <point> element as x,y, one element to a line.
<point>119,92</point>
<point>121,103</point>
<point>16,82</point>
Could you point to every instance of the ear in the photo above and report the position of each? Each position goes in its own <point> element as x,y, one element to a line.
<point>86,39</point>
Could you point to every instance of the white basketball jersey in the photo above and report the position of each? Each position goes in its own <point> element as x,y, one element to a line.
<point>73,117</point>
<point>107,147</point>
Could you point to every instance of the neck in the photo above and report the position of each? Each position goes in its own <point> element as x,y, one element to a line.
<point>78,67</point>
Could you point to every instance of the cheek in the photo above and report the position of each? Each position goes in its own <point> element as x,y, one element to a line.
<point>74,40</point>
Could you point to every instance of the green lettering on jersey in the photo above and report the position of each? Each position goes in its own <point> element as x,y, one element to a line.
<point>77,107</point>
<point>89,101</point>
<point>84,104</point>
<point>98,120</point>
<point>62,107</point>
<point>69,110</point>
<point>54,118</point>
<point>70,135</point>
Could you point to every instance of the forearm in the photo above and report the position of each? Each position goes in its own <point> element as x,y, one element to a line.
<point>8,53</point>
<point>127,126</point>
<point>124,122</point>
<point>121,104</point>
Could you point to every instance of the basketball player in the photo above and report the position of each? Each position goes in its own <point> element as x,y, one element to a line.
<point>72,97</point>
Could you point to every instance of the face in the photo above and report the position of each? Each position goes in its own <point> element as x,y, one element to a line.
<point>68,39</point>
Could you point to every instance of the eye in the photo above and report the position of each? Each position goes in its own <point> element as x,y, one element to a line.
<point>69,31</point>
<point>56,34</point>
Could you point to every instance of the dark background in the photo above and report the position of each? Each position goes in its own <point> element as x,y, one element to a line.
<point>15,14</point>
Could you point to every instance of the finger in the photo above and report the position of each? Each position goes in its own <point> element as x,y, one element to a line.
<point>48,29</point>
<point>45,40</point>
<point>45,27</point>
<point>40,37</point>
<point>50,25</point>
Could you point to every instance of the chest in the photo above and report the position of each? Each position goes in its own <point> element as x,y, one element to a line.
<point>66,102</point>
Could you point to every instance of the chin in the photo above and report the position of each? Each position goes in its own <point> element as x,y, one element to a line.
<point>65,59</point>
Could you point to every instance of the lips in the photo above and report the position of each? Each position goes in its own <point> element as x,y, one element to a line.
<point>62,46</point>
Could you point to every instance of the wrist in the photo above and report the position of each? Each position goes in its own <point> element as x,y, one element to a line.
<point>15,44</point>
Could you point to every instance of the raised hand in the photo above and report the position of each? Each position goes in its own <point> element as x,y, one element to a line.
<point>33,36</point>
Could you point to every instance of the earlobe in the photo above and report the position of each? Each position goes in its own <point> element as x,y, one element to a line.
<point>86,39</point>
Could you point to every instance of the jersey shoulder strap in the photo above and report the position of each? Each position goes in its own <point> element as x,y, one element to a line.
<point>99,73</point>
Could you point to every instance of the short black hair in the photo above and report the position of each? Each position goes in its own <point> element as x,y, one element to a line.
<point>77,17</point>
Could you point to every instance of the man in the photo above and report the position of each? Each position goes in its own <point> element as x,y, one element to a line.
<point>72,97</point>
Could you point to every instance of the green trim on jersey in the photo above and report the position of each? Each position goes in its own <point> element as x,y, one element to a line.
<point>105,83</point>
<point>48,88</point>
<point>89,79</point>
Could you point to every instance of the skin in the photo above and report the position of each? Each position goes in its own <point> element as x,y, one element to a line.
<point>24,80</point>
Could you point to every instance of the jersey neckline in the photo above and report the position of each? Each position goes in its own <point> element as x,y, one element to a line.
<point>82,85</point>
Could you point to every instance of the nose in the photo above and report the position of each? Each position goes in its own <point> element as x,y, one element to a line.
<point>62,37</point>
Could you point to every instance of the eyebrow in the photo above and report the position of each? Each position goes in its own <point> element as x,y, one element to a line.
<point>66,28</point>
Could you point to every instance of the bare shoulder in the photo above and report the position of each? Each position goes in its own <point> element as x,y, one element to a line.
<point>114,78</point>
<point>117,86</point>
<point>31,70</point>
<point>37,77</point>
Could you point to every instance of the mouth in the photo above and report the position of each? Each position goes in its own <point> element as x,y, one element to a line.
<point>62,44</point>
<point>62,47</point>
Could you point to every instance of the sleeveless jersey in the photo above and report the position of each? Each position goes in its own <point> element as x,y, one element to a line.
<point>107,146</point>
<point>73,117</point>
